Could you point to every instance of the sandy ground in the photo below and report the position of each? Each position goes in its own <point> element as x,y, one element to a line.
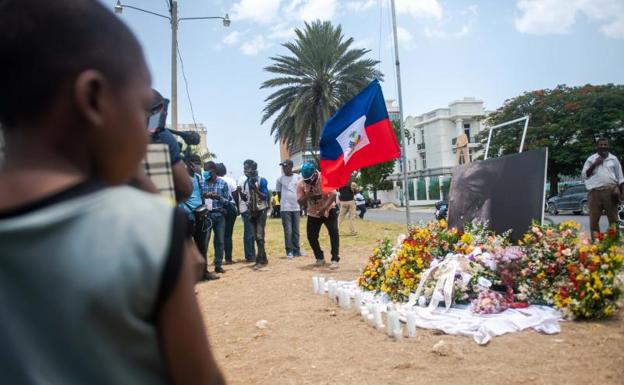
<point>310,341</point>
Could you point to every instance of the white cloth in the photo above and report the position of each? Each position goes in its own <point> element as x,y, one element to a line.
<point>359,199</point>
<point>287,187</point>
<point>609,173</point>
<point>242,205</point>
<point>460,320</point>
<point>231,185</point>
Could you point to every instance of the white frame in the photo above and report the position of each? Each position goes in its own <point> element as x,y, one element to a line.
<point>526,125</point>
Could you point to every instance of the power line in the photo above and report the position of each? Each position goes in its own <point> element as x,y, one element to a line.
<point>188,95</point>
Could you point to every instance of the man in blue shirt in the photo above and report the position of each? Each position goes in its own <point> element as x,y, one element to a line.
<point>255,192</point>
<point>217,194</point>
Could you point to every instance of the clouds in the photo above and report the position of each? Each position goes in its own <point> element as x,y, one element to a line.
<point>317,9</point>
<point>420,9</point>
<point>255,45</point>
<point>543,17</point>
<point>261,11</point>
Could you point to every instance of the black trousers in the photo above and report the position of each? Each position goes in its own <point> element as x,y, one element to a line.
<point>313,230</point>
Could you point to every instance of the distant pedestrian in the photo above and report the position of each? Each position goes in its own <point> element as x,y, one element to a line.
<point>231,212</point>
<point>217,195</point>
<point>290,211</point>
<point>321,211</point>
<point>256,193</point>
<point>360,203</point>
<point>275,205</point>
<point>248,236</point>
<point>603,178</point>
<point>347,206</point>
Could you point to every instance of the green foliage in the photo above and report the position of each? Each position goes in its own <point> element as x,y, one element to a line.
<point>321,74</point>
<point>565,119</point>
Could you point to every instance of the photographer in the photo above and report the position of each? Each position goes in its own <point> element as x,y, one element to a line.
<point>217,193</point>
<point>255,193</point>
<point>154,176</point>
<point>196,211</point>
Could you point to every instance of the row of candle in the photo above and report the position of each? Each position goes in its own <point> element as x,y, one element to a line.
<point>371,312</point>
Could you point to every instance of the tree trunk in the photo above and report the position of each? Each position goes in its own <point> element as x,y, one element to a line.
<point>375,194</point>
<point>554,184</point>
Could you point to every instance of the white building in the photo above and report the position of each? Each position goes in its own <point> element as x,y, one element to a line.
<point>430,151</point>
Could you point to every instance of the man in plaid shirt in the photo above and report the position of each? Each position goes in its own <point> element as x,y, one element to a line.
<point>217,193</point>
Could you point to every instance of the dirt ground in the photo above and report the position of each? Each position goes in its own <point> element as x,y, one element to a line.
<point>310,341</point>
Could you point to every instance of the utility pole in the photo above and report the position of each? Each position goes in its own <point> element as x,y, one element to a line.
<point>174,64</point>
<point>403,148</point>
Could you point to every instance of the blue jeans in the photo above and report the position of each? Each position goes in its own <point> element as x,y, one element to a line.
<point>230,219</point>
<point>218,228</point>
<point>290,222</point>
<point>248,238</point>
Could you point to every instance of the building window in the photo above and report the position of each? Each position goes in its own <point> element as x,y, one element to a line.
<point>423,158</point>
<point>415,163</point>
<point>422,135</point>
<point>467,131</point>
<point>409,165</point>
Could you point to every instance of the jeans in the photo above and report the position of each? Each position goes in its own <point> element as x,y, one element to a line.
<point>248,238</point>
<point>218,228</point>
<point>230,219</point>
<point>362,209</point>
<point>290,222</point>
<point>257,221</point>
<point>314,228</point>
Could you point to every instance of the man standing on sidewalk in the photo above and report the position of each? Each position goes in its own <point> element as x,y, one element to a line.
<point>321,211</point>
<point>256,192</point>
<point>603,178</point>
<point>286,188</point>
<point>347,206</point>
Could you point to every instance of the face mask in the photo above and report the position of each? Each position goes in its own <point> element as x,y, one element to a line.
<point>207,175</point>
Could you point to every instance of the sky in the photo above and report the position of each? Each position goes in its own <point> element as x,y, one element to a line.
<point>490,49</point>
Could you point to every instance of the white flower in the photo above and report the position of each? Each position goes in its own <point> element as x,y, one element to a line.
<point>484,282</point>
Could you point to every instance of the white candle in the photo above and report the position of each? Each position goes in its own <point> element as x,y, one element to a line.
<point>315,284</point>
<point>364,314</point>
<point>393,322</point>
<point>358,300</point>
<point>377,314</point>
<point>371,319</point>
<point>331,290</point>
<point>341,298</point>
<point>321,284</point>
<point>347,299</point>
<point>398,334</point>
<point>411,324</point>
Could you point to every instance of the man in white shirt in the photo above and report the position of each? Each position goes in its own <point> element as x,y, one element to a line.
<point>248,237</point>
<point>603,178</point>
<point>286,188</point>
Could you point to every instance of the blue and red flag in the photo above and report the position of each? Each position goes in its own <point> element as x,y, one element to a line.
<point>358,135</point>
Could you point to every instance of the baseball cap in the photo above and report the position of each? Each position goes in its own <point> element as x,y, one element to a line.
<point>287,162</point>
<point>307,170</point>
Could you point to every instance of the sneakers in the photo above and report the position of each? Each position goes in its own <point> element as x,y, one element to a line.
<point>219,270</point>
<point>334,265</point>
<point>208,276</point>
<point>290,256</point>
<point>319,262</point>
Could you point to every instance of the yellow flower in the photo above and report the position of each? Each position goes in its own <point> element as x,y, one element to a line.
<point>607,291</point>
<point>596,259</point>
<point>467,238</point>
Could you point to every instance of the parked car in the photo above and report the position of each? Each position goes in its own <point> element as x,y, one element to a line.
<point>573,199</point>
<point>373,203</point>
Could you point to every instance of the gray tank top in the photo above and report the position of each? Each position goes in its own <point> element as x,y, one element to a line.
<point>82,275</point>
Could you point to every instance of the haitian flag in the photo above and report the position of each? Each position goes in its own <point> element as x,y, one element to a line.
<point>358,135</point>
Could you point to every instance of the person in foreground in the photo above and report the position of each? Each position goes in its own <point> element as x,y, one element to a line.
<point>602,173</point>
<point>321,208</point>
<point>96,285</point>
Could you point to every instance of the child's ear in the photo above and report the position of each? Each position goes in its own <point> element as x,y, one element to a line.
<point>89,89</point>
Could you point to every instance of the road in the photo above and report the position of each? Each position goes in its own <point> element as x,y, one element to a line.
<point>425,215</point>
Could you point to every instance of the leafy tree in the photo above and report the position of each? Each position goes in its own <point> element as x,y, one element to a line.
<point>321,74</point>
<point>567,120</point>
<point>376,177</point>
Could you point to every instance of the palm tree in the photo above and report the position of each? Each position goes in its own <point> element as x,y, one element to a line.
<point>321,75</point>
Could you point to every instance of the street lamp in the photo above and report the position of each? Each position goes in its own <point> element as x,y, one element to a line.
<point>174,20</point>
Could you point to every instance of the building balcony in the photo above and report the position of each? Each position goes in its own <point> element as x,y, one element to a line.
<point>470,141</point>
<point>420,146</point>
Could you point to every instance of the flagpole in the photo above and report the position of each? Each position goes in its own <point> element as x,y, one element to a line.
<point>403,152</point>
